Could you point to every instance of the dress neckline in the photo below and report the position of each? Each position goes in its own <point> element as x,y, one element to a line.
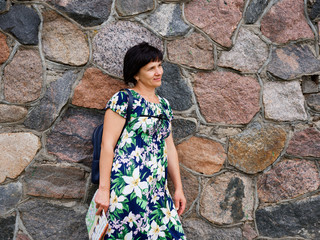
<point>159,98</point>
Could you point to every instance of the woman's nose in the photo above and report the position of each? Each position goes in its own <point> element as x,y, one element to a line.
<point>159,71</point>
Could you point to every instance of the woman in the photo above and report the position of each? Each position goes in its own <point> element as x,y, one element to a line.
<point>133,177</point>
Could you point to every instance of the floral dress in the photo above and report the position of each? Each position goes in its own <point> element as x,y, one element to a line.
<point>140,204</point>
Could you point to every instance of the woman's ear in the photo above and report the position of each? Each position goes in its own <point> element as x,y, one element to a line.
<point>136,77</point>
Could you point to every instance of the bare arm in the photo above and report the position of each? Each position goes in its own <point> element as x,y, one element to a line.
<point>112,127</point>
<point>174,172</point>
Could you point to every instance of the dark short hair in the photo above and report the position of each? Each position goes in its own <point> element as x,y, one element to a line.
<point>137,57</point>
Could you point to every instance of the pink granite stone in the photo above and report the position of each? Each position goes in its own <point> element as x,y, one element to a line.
<point>217,18</point>
<point>201,155</point>
<point>95,89</point>
<point>305,143</point>
<point>193,51</point>
<point>285,22</point>
<point>226,97</point>
<point>23,77</point>
<point>288,179</point>
<point>4,49</point>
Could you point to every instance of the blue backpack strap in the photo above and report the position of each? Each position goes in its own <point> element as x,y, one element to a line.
<point>97,139</point>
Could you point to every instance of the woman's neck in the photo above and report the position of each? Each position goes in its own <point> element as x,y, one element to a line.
<point>148,93</point>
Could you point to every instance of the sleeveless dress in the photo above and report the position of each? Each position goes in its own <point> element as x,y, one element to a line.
<point>140,203</point>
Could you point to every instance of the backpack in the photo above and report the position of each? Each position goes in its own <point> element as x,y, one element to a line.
<point>97,139</point>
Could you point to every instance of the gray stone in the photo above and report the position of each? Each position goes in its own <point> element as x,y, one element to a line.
<point>9,197</point>
<point>313,101</point>
<point>167,21</point>
<point>227,199</point>
<point>183,128</point>
<point>133,7</point>
<point>87,13</point>
<point>294,219</point>
<point>11,113</point>
<point>283,101</point>
<point>310,84</point>
<point>3,5</point>
<point>247,55</point>
<point>174,88</point>
<point>45,220</point>
<point>314,11</point>
<point>114,39</point>
<point>57,94</point>
<point>7,226</point>
<point>293,61</point>
<point>22,22</point>
<point>55,182</point>
<point>254,10</point>
<point>196,229</point>
<point>70,139</point>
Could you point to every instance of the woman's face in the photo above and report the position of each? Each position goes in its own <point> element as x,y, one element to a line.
<point>150,75</point>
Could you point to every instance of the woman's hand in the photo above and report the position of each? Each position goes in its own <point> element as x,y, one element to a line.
<point>102,200</point>
<point>179,201</point>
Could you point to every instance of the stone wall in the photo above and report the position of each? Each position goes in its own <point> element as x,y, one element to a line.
<point>241,75</point>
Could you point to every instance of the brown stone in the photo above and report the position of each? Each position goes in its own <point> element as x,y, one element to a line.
<point>4,49</point>
<point>193,51</point>
<point>218,19</point>
<point>55,182</point>
<point>288,179</point>
<point>227,198</point>
<point>190,185</point>
<point>95,89</point>
<point>256,148</point>
<point>226,97</point>
<point>305,143</point>
<point>17,151</point>
<point>201,155</point>
<point>23,77</point>
<point>70,139</point>
<point>11,113</point>
<point>285,22</point>
<point>63,41</point>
